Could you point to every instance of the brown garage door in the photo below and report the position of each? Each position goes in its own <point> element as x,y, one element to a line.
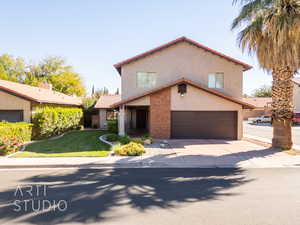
<point>11,115</point>
<point>204,124</point>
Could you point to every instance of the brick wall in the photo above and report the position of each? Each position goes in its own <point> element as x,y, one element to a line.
<point>160,114</point>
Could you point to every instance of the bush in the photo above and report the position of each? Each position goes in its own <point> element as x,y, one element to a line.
<point>112,126</point>
<point>20,131</point>
<point>124,140</point>
<point>51,121</point>
<point>9,145</point>
<point>131,149</point>
<point>138,140</point>
<point>112,137</point>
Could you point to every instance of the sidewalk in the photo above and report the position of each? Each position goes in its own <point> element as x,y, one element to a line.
<point>180,154</point>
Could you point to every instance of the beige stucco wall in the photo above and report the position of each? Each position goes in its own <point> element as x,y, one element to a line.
<point>297,98</point>
<point>11,102</point>
<point>198,100</point>
<point>145,101</point>
<point>182,60</point>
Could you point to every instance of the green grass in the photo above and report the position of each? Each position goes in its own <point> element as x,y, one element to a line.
<point>74,144</point>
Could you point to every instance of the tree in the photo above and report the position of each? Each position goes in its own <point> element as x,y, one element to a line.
<point>117,91</point>
<point>13,69</point>
<point>53,70</point>
<point>263,91</point>
<point>101,92</point>
<point>68,83</point>
<point>270,29</point>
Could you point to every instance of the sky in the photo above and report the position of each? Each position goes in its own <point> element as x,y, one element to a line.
<point>92,35</point>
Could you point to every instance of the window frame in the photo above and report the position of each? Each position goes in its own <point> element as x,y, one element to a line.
<point>154,74</point>
<point>215,74</point>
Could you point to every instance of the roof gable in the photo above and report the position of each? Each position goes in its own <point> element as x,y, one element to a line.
<point>186,81</point>
<point>105,101</point>
<point>176,41</point>
<point>36,94</point>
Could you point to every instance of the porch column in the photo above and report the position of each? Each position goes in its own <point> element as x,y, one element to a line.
<point>121,121</point>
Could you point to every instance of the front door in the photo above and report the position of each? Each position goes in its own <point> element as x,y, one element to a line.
<point>141,119</point>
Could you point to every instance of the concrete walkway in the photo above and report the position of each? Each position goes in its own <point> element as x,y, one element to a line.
<point>178,154</point>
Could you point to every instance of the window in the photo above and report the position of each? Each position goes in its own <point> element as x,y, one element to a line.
<point>111,115</point>
<point>216,80</point>
<point>146,79</point>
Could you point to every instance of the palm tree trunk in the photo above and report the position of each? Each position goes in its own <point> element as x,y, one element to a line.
<point>282,108</point>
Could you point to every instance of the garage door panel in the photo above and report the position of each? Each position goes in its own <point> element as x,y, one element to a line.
<point>11,115</point>
<point>204,124</point>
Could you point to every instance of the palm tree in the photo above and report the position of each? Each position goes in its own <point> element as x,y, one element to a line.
<point>270,29</point>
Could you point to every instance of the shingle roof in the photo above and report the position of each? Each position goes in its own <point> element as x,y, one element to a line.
<point>36,94</point>
<point>297,80</point>
<point>181,39</point>
<point>186,81</point>
<point>106,101</point>
<point>258,102</point>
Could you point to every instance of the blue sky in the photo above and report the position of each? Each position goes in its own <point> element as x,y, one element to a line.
<point>92,35</point>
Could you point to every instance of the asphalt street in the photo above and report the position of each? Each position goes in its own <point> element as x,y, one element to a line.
<point>151,196</point>
<point>266,131</point>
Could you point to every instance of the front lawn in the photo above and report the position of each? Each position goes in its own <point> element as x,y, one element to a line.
<point>73,144</point>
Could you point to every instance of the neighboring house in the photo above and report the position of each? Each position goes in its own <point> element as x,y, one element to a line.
<point>262,107</point>
<point>296,94</point>
<point>182,90</point>
<point>18,101</point>
<point>105,111</point>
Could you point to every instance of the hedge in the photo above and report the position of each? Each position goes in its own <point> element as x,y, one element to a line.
<point>20,131</point>
<point>112,126</point>
<point>13,135</point>
<point>51,121</point>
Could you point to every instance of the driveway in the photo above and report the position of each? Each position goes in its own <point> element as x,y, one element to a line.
<point>266,131</point>
<point>217,153</point>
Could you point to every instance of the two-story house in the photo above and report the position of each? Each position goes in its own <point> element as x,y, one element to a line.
<point>182,89</point>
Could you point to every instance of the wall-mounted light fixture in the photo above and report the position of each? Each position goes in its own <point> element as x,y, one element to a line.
<point>182,89</point>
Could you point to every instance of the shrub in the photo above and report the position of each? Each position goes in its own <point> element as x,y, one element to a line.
<point>143,140</point>
<point>9,145</point>
<point>131,149</point>
<point>112,126</point>
<point>112,137</point>
<point>20,131</point>
<point>138,140</point>
<point>124,140</point>
<point>51,121</point>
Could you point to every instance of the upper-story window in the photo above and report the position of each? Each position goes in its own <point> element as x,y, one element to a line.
<point>146,79</point>
<point>216,80</point>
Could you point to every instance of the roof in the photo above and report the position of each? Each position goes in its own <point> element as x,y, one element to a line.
<point>106,101</point>
<point>297,80</point>
<point>258,102</point>
<point>39,95</point>
<point>186,81</point>
<point>178,40</point>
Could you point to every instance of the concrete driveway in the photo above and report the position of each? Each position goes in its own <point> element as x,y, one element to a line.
<point>218,153</point>
<point>265,130</point>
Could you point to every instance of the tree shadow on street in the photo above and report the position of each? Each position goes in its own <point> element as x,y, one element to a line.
<point>92,194</point>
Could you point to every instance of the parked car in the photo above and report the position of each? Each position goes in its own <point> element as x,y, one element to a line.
<point>261,119</point>
<point>296,119</point>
